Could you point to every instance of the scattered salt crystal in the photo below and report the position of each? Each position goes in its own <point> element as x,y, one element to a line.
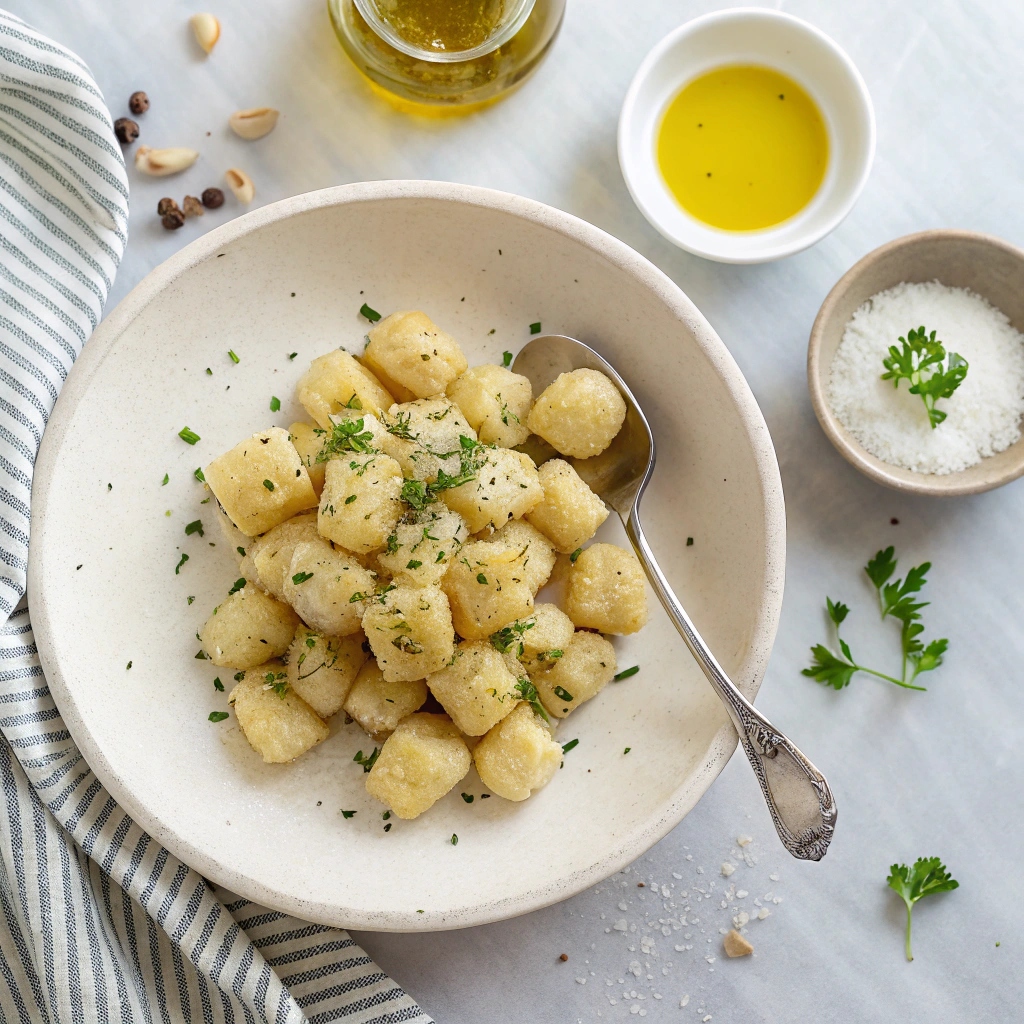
<point>778,899</point>
<point>620,925</point>
<point>763,913</point>
<point>983,415</point>
<point>710,959</point>
<point>706,1019</point>
<point>724,904</point>
<point>581,981</point>
<point>635,969</point>
<point>689,856</point>
<point>666,931</point>
<point>635,1008</point>
<point>647,945</point>
<point>744,840</point>
<point>741,919</point>
<point>700,871</point>
<point>679,949</point>
<point>742,894</point>
<point>683,1001</point>
<point>675,875</point>
<point>623,906</point>
<point>774,877</point>
<point>727,869</point>
<point>643,1012</point>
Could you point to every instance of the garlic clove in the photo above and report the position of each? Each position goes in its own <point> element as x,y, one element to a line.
<point>206,29</point>
<point>161,162</point>
<point>254,123</point>
<point>241,184</point>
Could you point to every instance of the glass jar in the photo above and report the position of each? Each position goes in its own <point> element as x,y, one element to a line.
<point>445,56</point>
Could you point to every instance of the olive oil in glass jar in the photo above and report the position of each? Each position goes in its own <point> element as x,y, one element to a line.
<point>445,56</point>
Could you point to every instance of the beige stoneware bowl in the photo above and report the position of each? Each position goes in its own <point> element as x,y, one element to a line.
<point>960,259</point>
<point>291,278</point>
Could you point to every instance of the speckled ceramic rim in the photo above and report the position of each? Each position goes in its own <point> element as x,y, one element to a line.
<point>850,291</point>
<point>615,252</point>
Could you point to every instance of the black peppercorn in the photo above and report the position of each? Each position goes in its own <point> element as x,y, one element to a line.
<point>138,103</point>
<point>212,198</point>
<point>173,219</point>
<point>126,130</point>
<point>165,206</point>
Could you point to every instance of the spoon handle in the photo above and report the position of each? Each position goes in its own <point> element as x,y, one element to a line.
<point>798,795</point>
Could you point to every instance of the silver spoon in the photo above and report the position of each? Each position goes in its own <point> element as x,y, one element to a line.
<point>797,794</point>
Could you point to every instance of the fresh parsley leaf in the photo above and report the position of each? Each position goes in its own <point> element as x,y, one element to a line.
<point>927,877</point>
<point>181,562</point>
<point>511,636</point>
<point>269,484</point>
<point>528,692</point>
<point>347,436</point>
<point>535,328</point>
<point>506,358</point>
<point>881,567</point>
<point>413,564</point>
<point>218,685</point>
<point>481,578</point>
<point>625,673</point>
<point>199,475</point>
<point>347,814</point>
<point>275,403</point>
<point>921,352</point>
<point>301,577</point>
<point>195,527</point>
<point>367,760</point>
<point>417,494</point>
<point>829,669</point>
<point>188,436</point>
<point>837,612</point>
<point>237,586</point>
<point>218,716</point>
<point>371,314</point>
<point>166,479</point>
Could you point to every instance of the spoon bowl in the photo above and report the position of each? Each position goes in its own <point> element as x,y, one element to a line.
<point>799,799</point>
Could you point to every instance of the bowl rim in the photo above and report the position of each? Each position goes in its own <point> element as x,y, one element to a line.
<point>616,252</point>
<point>895,477</point>
<point>628,113</point>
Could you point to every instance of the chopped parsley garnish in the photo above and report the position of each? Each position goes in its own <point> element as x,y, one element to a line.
<point>166,479</point>
<point>413,564</point>
<point>563,694</point>
<point>218,716</point>
<point>199,475</point>
<point>188,436</point>
<point>275,403</point>
<point>576,554</point>
<point>481,578</point>
<point>347,814</point>
<point>407,645</point>
<point>201,655</point>
<point>237,586</point>
<point>627,750</point>
<point>351,498</point>
<point>128,666</point>
<point>195,527</point>
<point>234,358</point>
<point>239,676</point>
<point>181,562</point>
<point>386,815</point>
<point>401,427</point>
<point>371,314</point>
<point>468,797</point>
<point>277,682</point>
<point>689,542</point>
<point>626,673</point>
<point>209,372</point>
<point>347,436</point>
<point>417,494</point>
<point>387,827</point>
<point>506,358</point>
<point>511,636</point>
<point>535,328</point>
<point>568,746</point>
<point>529,693</point>
<point>241,551</point>
<point>191,597</point>
<point>366,760</point>
<point>353,402</point>
<point>217,684</point>
<point>269,484</point>
<point>292,355</point>
<point>301,577</point>
<point>552,655</point>
<point>454,840</point>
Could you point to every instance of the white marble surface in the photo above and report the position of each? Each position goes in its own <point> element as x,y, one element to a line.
<point>914,774</point>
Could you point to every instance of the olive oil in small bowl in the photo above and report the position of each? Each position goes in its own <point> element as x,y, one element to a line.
<point>746,136</point>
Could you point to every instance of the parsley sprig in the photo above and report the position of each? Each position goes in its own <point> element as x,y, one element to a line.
<point>897,600</point>
<point>347,436</point>
<point>927,877</point>
<point>511,636</point>
<point>529,693</point>
<point>919,353</point>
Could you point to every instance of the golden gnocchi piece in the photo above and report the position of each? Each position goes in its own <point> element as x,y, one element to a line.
<point>277,722</point>
<point>424,437</point>
<point>518,756</point>
<point>361,501</point>
<point>487,588</point>
<point>585,668</point>
<point>496,402</point>
<point>579,413</point>
<point>327,587</point>
<point>331,383</point>
<point>571,512</point>
<point>247,629</point>
<point>272,553</point>
<point>421,761</point>
<point>549,633</point>
<point>505,486</point>
<point>308,440</point>
<point>607,590</point>
<point>537,551</point>
<point>476,689</point>
<point>423,545</point>
<point>409,350</point>
<point>538,450</point>
<point>410,632</point>
<point>377,705</point>
<point>321,669</point>
<point>261,482</point>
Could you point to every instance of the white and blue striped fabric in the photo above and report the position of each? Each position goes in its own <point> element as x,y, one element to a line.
<point>99,923</point>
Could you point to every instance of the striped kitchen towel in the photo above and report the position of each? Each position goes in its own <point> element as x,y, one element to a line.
<point>98,922</point>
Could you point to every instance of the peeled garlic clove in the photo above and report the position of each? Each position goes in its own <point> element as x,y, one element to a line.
<point>161,162</point>
<point>254,123</point>
<point>206,29</point>
<point>241,184</point>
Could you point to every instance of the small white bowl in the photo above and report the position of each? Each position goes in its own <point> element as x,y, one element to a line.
<point>747,35</point>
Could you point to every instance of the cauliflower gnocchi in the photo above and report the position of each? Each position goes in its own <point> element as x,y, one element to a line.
<point>392,551</point>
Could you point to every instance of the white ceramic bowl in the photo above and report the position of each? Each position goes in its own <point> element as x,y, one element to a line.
<point>749,35</point>
<point>291,278</point>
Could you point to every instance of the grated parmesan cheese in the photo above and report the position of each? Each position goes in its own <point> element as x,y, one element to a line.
<point>983,415</point>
